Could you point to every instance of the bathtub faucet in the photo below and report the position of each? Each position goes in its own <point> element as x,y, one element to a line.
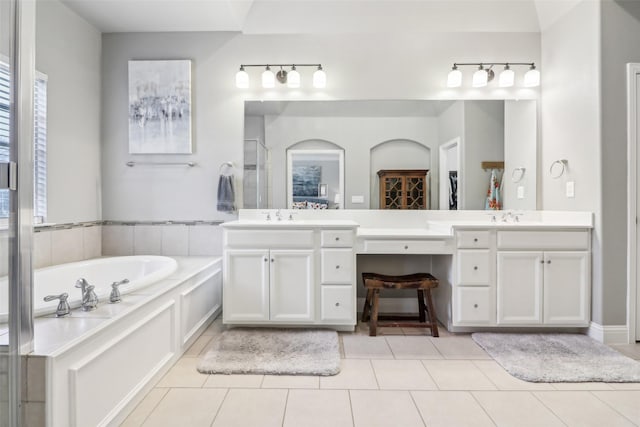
<point>63,306</point>
<point>89,297</point>
<point>115,292</point>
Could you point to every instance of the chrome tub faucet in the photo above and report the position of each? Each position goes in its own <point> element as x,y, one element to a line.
<point>89,297</point>
<point>115,292</point>
<point>63,306</point>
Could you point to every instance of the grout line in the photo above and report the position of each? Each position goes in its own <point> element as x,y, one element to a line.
<point>166,391</point>
<point>284,413</point>
<point>473,362</point>
<point>534,394</point>
<point>374,374</point>
<point>353,417</point>
<point>424,422</point>
<point>473,396</point>
<point>609,405</point>
<point>220,407</point>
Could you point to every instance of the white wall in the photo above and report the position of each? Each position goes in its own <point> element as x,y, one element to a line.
<point>570,124</point>
<point>68,51</point>
<point>520,147</point>
<point>353,73</point>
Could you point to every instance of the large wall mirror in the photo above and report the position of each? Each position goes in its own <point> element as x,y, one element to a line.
<point>361,154</point>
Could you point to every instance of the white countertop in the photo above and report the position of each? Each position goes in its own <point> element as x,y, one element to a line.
<point>285,223</point>
<point>404,233</point>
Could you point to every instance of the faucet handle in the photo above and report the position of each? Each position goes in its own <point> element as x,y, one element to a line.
<point>63,308</point>
<point>115,297</point>
<point>82,283</point>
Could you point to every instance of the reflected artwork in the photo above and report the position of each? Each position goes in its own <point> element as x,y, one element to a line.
<point>160,107</point>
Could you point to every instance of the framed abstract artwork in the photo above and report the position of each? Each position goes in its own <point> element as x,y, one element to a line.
<point>160,107</point>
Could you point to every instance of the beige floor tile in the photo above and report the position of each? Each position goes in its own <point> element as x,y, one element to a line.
<point>144,408</point>
<point>183,374</point>
<point>384,409</point>
<point>625,402</point>
<point>505,381</point>
<point>450,408</point>
<point>457,375</point>
<point>186,407</point>
<point>459,347</point>
<point>624,386</point>
<point>442,331</point>
<point>581,386</point>
<point>629,350</point>
<point>581,409</point>
<point>290,381</point>
<point>198,346</point>
<point>234,381</point>
<point>413,347</point>
<point>516,408</point>
<point>389,330</point>
<point>215,328</point>
<point>402,375</point>
<point>354,374</point>
<point>318,408</point>
<point>365,347</point>
<point>251,407</point>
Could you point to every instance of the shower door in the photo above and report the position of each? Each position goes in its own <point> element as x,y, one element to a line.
<point>17,72</point>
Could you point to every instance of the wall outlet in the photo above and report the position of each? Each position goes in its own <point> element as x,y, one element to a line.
<point>520,192</point>
<point>571,189</point>
<point>357,199</point>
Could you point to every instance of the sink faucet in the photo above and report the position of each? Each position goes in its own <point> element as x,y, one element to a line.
<point>115,292</point>
<point>278,215</point>
<point>89,297</point>
<point>63,306</point>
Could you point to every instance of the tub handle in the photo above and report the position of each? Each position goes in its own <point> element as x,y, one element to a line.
<point>63,306</point>
<point>115,292</point>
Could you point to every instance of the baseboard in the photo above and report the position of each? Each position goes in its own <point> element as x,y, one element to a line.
<point>613,334</point>
<point>394,305</point>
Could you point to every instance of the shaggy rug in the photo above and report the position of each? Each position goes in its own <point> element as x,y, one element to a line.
<point>558,358</point>
<point>273,351</point>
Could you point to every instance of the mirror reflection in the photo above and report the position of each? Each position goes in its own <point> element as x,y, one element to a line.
<point>386,154</point>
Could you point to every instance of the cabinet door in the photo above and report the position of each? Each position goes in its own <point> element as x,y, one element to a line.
<point>246,285</point>
<point>566,288</point>
<point>520,288</point>
<point>292,287</point>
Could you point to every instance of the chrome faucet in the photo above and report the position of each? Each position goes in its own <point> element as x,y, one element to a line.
<point>63,306</point>
<point>278,215</point>
<point>115,292</point>
<point>89,297</point>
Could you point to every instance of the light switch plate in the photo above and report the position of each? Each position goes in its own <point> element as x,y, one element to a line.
<point>520,192</point>
<point>571,189</point>
<point>357,199</point>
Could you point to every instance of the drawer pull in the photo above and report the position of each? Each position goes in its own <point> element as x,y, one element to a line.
<point>542,262</point>
<point>549,262</point>
<point>266,260</point>
<point>337,238</point>
<point>475,240</point>
<point>337,266</point>
<point>272,260</point>
<point>475,267</point>
<point>475,305</point>
<point>406,247</point>
<point>337,304</point>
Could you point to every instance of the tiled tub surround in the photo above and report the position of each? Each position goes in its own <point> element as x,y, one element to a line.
<point>82,372</point>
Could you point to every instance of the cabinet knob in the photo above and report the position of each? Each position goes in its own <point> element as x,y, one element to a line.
<point>475,267</point>
<point>337,304</point>
<point>272,260</point>
<point>337,238</point>
<point>406,247</point>
<point>265,260</point>
<point>542,262</point>
<point>475,240</point>
<point>475,305</point>
<point>337,266</point>
<point>549,261</point>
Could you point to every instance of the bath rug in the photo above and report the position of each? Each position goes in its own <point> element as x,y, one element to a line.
<point>274,352</point>
<point>555,358</point>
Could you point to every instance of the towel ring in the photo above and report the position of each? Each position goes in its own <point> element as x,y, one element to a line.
<point>517,174</point>
<point>228,165</point>
<point>561,169</point>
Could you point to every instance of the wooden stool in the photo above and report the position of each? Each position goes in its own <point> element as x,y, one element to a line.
<point>423,282</point>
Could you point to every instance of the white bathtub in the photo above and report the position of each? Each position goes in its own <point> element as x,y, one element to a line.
<point>141,271</point>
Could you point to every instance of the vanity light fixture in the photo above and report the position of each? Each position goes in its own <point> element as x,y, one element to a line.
<point>289,77</point>
<point>485,74</point>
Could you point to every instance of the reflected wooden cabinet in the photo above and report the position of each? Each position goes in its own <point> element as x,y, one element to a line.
<point>404,189</point>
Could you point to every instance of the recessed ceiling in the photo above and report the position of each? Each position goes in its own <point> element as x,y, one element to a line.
<point>321,16</point>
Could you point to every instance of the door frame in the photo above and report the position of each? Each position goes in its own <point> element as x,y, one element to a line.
<point>443,179</point>
<point>633,71</point>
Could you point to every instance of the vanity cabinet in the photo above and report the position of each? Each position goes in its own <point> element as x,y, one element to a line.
<point>549,286</point>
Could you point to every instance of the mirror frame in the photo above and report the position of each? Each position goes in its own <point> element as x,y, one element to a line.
<point>293,151</point>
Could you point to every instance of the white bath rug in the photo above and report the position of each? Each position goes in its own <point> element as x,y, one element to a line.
<point>273,351</point>
<point>557,358</point>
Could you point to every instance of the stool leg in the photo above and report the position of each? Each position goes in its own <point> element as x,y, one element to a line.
<point>367,306</point>
<point>373,323</point>
<point>432,314</point>
<point>421,307</point>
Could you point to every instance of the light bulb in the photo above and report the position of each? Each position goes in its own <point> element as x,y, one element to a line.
<point>319,78</point>
<point>480,77</point>
<point>532,77</point>
<point>268,78</point>
<point>242,79</point>
<point>507,77</point>
<point>454,79</point>
<point>293,78</point>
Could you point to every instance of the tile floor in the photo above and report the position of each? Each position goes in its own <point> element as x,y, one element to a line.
<point>397,379</point>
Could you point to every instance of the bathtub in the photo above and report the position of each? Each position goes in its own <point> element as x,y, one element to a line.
<point>140,270</point>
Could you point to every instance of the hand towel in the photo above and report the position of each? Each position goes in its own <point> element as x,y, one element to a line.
<point>226,194</point>
<point>493,201</point>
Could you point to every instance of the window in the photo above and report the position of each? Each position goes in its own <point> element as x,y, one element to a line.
<point>40,142</point>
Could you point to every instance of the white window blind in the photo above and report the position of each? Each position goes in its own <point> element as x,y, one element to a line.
<point>40,141</point>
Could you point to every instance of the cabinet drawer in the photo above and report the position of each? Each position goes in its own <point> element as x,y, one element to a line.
<point>336,266</point>
<point>405,246</point>
<point>337,303</point>
<point>336,238</point>
<point>473,267</point>
<point>472,305</point>
<point>543,240</point>
<point>258,239</point>
<point>472,239</point>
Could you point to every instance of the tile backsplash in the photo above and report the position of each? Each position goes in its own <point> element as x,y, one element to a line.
<point>52,246</point>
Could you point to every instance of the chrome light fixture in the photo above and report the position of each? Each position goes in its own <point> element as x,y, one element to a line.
<point>485,74</point>
<point>291,77</point>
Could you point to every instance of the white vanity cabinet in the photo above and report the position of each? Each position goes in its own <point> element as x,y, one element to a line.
<point>288,275</point>
<point>543,278</point>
